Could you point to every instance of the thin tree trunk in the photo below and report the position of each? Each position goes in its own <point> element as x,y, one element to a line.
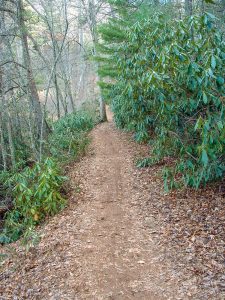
<point>10,135</point>
<point>93,23</point>
<point>188,7</point>
<point>57,96</point>
<point>33,93</point>
<point>70,94</point>
<point>33,146</point>
<point>5,107</point>
<point>202,6</point>
<point>3,147</point>
<point>17,124</point>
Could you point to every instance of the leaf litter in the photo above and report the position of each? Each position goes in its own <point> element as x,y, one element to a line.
<point>121,236</point>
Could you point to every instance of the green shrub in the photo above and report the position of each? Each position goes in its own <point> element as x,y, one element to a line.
<point>69,137</point>
<point>78,121</point>
<point>170,91</point>
<point>37,194</point>
<point>37,190</point>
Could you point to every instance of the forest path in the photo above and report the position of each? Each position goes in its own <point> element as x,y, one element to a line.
<point>99,247</point>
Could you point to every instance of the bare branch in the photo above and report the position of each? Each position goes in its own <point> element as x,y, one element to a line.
<point>13,62</point>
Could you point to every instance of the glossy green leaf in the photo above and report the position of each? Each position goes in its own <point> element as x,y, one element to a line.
<point>213,62</point>
<point>220,80</point>
<point>204,98</point>
<point>204,158</point>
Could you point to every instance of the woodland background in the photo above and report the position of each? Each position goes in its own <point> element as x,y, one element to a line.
<point>159,64</point>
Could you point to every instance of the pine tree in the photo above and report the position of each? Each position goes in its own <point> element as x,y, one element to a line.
<point>112,35</point>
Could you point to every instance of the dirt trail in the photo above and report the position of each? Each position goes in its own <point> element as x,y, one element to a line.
<point>97,248</point>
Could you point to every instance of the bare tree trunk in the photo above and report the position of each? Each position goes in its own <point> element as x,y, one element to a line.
<point>202,6</point>
<point>57,96</point>
<point>92,23</point>
<point>63,102</point>
<point>188,7</point>
<point>51,76</point>
<point>16,122</point>
<point>5,107</point>
<point>33,146</point>
<point>3,148</point>
<point>66,69</point>
<point>33,94</point>
<point>70,94</point>
<point>10,135</point>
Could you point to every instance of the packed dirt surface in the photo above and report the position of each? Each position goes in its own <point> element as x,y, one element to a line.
<point>102,246</point>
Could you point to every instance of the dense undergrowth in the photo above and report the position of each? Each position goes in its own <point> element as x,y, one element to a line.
<point>37,189</point>
<point>168,88</point>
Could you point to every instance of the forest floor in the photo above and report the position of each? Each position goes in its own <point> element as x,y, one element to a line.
<point>120,237</point>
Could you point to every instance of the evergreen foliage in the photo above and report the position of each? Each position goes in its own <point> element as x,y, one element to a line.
<point>113,33</point>
<point>37,190</point>
<point>170,91</point>
<point>69,138</point>
<point>37,194</point>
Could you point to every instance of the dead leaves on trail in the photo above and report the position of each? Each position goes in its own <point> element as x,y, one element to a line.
<point>174,241</point>
<point>192,230</point>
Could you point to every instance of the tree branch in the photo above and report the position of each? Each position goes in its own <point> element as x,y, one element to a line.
<point>13,62</point>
